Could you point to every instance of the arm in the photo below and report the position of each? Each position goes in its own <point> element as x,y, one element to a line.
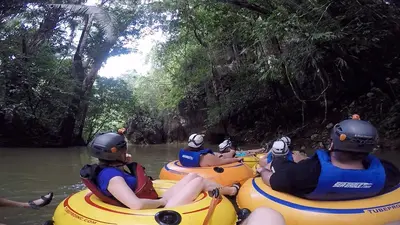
<point>212,160</point>
<point>219,155</point>
<point>121,191</point>
<point>266,176</point>
<point>263,161</point>
<point>229,154</point>
<point>255,150</point>
<point>222,155</point>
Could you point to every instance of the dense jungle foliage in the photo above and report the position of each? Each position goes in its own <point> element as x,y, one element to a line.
<point>244,68</point>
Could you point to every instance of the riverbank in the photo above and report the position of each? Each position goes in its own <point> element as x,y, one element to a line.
<point>375,106</point>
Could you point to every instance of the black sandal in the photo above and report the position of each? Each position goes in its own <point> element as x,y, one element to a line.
<point>237,186</point>
<point>46,201</point>
<point>242,215</point>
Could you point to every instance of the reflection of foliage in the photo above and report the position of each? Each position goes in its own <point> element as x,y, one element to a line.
<point>111,104</point>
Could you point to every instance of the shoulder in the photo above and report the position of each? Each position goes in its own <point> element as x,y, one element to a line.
<point>108,173</point>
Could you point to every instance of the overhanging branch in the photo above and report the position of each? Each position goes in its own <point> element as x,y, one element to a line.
<point>247,5</point>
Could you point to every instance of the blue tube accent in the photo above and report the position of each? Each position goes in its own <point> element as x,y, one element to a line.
<point>315,209</point>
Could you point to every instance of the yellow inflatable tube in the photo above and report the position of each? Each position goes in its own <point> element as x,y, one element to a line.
<point>253,160</point>
<point>83,208</point>
<point>250,161</point>
<point>225,175</point>
<point>297,211</point>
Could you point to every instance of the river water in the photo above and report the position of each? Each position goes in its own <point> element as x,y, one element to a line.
<point>27,173</point>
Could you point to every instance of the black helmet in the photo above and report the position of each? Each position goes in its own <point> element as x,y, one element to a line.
<point>108,146</point>
<point>354,136</point>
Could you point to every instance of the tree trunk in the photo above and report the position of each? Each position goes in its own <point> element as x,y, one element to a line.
<point>67,129</point>
<point>76,115</point>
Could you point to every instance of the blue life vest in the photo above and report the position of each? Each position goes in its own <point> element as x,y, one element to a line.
<point>289,156</point>
<point>192,158</point>
<point>335,183</point>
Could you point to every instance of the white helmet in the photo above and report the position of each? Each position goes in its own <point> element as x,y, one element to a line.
<point>279,148</point>
<point>195,140</point>
<point>225,144</point>
<point>287,140</point>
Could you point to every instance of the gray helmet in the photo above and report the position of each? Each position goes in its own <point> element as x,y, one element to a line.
<point>108,146</point>
<point>354,136</point>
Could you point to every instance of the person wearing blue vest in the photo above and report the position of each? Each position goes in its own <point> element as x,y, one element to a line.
<point>345,171</point>
<point>195,155</point>
<point>279,149</point>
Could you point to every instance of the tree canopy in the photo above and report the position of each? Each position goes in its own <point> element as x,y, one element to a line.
<point>231,67</point>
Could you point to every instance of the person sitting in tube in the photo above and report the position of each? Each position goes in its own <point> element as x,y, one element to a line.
<point>345,171</point>
<point>226,150</point>
<point>113,180</point>
<point>281,147</point>
<point>195,155</point>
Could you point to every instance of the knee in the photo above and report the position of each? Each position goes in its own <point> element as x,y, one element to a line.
<point>199,181</point>
<point>265,212</point>
<point>191,176</point>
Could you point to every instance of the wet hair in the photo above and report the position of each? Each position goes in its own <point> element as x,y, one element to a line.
<point>346,157</point>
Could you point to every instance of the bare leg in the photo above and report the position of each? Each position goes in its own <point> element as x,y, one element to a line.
<point>186,190</point>
<point>264,216</point>
<point>210,185</point>
<point>35,203</point>
<point>178,187</point>
<point>9,203</point>
<point>187,194</point>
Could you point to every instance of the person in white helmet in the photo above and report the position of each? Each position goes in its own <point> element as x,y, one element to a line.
<point>226,150</point>
<point>287,141</point>
<point>282,145</point>
<point>279,149</point>
<point>195,155</point>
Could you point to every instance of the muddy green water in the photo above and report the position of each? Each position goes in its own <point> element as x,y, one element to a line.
<point>27,173</point>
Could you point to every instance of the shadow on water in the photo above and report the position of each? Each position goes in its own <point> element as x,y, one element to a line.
<point>27,173</point>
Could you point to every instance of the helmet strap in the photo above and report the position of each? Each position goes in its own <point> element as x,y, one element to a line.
<point>330,148</point>
<point>121,163</point>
